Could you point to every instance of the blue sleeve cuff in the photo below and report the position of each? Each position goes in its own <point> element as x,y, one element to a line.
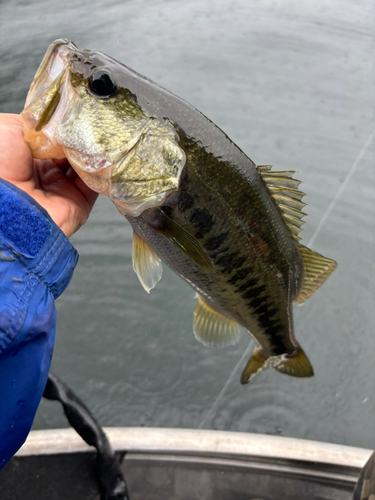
<point>42,255</point>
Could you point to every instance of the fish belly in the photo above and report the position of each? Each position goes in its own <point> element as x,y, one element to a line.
<point>253,282</point>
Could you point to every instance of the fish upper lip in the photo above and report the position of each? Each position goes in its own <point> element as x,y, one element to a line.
<point>43,78</point>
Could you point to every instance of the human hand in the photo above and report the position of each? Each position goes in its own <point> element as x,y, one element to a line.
<point>52,183</point>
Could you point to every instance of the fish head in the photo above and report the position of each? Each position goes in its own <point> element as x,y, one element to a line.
<point>105,119</point>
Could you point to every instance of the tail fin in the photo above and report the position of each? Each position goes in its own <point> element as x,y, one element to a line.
<point>256,364</point>
<point>296,364</point>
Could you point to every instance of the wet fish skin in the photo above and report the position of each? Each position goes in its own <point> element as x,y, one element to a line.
<point>245,286</point>
<point>196,200</point>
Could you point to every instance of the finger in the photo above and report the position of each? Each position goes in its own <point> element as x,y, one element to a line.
<point>71,174</point>
<point>16,163</point>
<point>63,165</point>
<point>65,168</point>
<point>88,193</point>
<point>53,180</point>
<point>61,162</point>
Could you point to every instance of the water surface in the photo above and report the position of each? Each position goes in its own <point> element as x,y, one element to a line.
<point>292,83</point>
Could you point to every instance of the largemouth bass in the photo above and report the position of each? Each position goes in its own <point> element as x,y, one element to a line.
<point>194,199</point>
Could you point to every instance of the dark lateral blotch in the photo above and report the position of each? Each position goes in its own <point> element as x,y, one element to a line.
<point>216,241</point>
<point>186,201</point>
<point>202,220</point>
<point>226,262</point>
<point>248,284</point>
<point>253,292</point>
<point>257,302</point>
<point>240,275</point>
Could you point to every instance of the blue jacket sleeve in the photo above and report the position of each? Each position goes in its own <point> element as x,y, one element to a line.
<point>36,265</point>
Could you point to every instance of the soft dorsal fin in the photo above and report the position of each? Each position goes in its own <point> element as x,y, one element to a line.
<point>212,328</point>
<point>316,270</point>
<point>185,242</point>
<point>286,196</point>
<point>146,263</point>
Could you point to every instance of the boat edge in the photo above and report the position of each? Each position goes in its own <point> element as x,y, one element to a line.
<point>193,441</point>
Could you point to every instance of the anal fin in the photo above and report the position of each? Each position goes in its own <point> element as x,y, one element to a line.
<point>212,328</point>
<point>146,263</point>
<point>316,270</point>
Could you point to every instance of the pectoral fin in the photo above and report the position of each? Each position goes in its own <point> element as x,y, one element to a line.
<point>316,270</point>
<point>212,328</point>
<point>146,263</point>
<point>185,242</point>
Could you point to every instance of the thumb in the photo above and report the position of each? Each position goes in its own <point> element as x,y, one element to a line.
<point>16,162</point>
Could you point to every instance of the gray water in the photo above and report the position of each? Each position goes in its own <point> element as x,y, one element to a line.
<point>292,83</point>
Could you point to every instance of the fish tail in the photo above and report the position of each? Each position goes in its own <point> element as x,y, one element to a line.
<point>258,362</point>
<point>295,364</point>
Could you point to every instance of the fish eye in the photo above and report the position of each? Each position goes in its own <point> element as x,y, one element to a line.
<point>100,84</point>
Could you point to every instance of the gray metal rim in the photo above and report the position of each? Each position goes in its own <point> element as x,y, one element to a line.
<point>199,442</point>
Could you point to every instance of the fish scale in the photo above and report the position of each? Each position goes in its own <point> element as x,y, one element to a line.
<point>195,200</point>
<point>208,226</point>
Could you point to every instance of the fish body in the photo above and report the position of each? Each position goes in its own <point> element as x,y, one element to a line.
<point>194,199</point>
<point>254,282</point>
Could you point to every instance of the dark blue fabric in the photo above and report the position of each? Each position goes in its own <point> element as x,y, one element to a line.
<point>28,287</point>
<point>21,223</point>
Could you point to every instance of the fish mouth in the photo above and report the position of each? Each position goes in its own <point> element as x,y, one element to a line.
<point>54,62</point>
<point>43,98</point>
<point>136,171</point>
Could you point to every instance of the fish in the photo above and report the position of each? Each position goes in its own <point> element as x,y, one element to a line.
<point>195,201</point>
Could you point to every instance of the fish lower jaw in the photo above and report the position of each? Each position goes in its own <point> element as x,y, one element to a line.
<point>41,147</point>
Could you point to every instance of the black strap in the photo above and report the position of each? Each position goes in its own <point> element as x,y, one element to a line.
<point>111,479</point>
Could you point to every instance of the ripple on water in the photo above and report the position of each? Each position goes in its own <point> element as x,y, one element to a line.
<point>156,382</point>
<point>246,409</point>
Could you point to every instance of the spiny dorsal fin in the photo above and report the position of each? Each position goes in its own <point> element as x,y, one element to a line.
<point>146,263</point>
<point>212,328</point>
<point>286,195</point>
<point>316,270</point>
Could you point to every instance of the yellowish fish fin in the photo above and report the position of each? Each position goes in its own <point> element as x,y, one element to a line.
<point>185,242</point>
<point>256,364</point>
<point>296,364</point>
<point>146,263</point>
<point>316,270</point>
<point>212,328</point>
<point>286,196</point>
